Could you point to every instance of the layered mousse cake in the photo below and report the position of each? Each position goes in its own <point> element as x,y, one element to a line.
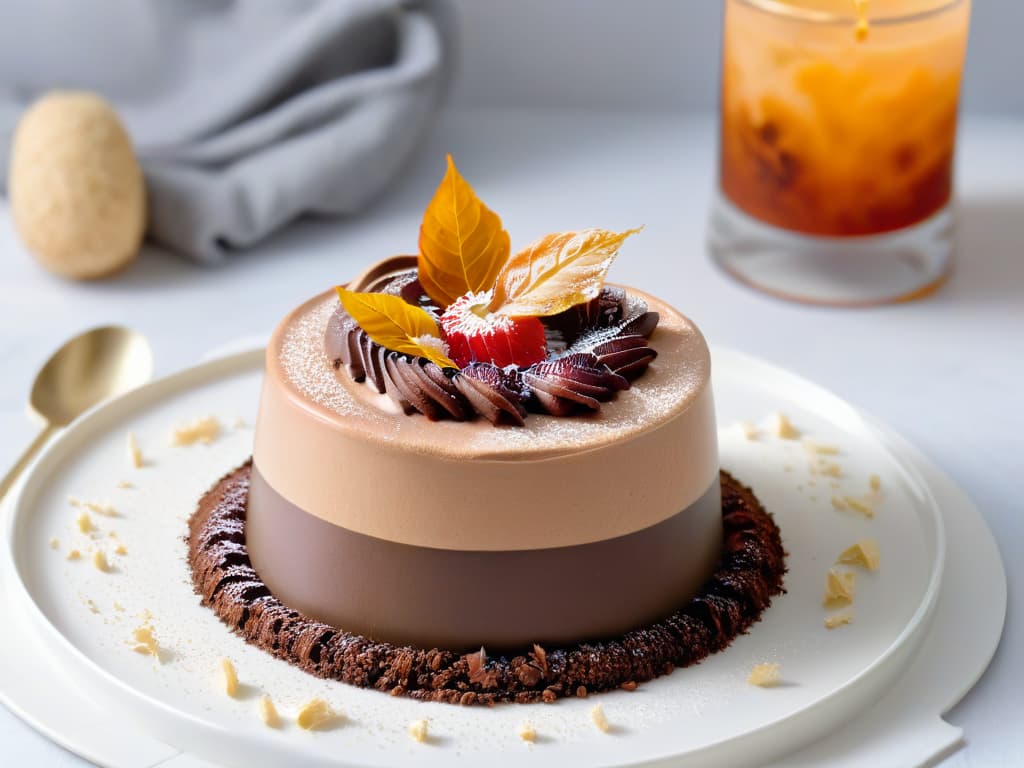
<point>483,473</point>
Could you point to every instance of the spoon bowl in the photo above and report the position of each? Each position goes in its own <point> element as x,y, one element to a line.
<point>95,365</point>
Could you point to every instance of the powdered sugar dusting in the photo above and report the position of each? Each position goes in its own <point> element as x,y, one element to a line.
<point>305,362</point>
<point>667,386</point>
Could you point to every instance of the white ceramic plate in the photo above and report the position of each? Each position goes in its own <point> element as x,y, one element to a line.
<point>706,714</point>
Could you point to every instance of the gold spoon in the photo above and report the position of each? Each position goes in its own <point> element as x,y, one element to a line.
<point>91,367</point>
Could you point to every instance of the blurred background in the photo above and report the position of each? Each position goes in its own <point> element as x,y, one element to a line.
<point>562,114</point>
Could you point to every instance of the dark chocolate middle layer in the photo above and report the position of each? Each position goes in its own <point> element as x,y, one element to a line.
<point>428,597</point>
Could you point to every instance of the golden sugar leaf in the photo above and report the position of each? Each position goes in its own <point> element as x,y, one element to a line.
<point>556,272</point>
<point>396,325</point>
<point>462,243</point>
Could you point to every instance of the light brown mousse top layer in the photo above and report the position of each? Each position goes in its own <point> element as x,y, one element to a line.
<point>668,387</point>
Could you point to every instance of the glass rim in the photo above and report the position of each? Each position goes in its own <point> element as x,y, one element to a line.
<point>783,9</point>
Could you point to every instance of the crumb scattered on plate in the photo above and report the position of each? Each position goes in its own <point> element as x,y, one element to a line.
<point>830,469</point>
<point>418,730</point>
<point>784,428</point>
<point>527,732</point>
<point>204,430</point>
<point>104,508</point>
<point>765,675</point>
<point>84,522</point>
<point>124,484</point>
<point>837,620</point>
<point>315,713</point>
<point>134,452</point>
<point>54,543</point>
<point>145,641</point>
<point>100,561</point>
<point>599,718</point>
<point>864,553</point>
<point>120,549</point>
<point>230,677</point>
<point>839,588</point>
<point>268,713</point>
<point>74,554</point>
<point>860,506</point>
<point>875,482</point>
<point>821,449</point>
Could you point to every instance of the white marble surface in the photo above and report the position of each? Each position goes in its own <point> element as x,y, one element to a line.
<point>946,371</point>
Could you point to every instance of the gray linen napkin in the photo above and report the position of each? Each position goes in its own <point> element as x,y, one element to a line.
<point>244,113</point>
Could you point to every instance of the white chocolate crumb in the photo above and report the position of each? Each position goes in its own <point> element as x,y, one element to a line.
<point>268,713</point>
<point>527,732</point>
<point>839,588</point>
<point>864,553</point>
<point>125,484</point>
<point>837,620</point>
<point>54,543</point>
<point>820,449</point>
<point>831,469</point>
<point>134,452</point>
<point>74,554</point>
<point>750,431</point>
<point>104,508</point>
<point>146,642</point>
<point>765,675</point>
<point>860,506</point>
<point>204,430</point>
<point>838,503</point>
<point>875,482</point>
<point>315,713</point>
<point>74,501</point>
<point>92,606</point>
<point>118,606</point>
<point>230,677</point>
<point>85,523</point>
<point>599,718</point>
<point>100,561</point>
<point>121,549</point>
<point>784,428</point>
<point>418,730</point>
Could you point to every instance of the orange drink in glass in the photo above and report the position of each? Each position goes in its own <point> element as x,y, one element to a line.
<point>838,129</point>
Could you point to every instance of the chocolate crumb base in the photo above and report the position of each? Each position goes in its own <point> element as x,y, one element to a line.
<point>750,574</point>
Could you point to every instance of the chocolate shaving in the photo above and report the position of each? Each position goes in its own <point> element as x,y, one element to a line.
<point>734,598</point>
<point>539,659</point>
<point>478,672</point>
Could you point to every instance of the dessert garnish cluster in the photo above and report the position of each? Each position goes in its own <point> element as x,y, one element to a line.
<point>476,330</point>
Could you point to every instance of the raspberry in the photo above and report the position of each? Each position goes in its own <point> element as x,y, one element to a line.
<point>475,335</point>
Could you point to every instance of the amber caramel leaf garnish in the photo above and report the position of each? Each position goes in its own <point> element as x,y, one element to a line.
<point>396,325</point>
<point>462,242</point>
<point>556,272</point>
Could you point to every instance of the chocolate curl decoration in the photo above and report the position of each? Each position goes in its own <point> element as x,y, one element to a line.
<point>604,342</point>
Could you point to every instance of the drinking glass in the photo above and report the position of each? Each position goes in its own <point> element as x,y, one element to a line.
<point>838,127</point>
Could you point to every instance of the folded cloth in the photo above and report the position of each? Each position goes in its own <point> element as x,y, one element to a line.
<point>244,115</point>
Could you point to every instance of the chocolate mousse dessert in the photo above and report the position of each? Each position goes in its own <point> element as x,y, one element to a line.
<point>481,476</point>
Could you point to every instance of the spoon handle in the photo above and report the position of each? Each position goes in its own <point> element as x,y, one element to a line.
<point>26,458</point>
